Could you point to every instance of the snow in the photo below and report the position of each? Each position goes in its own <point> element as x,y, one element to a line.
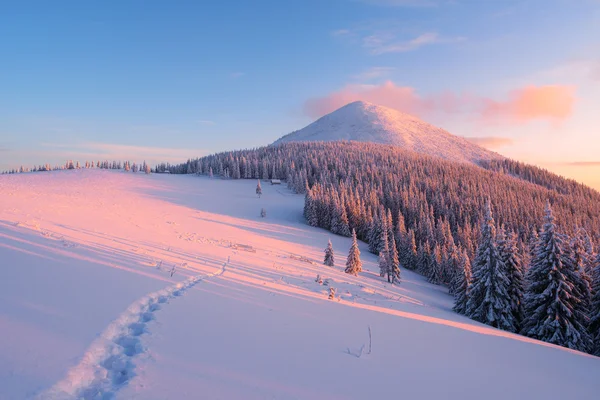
<point>365,122</point>
<point>88,306</point>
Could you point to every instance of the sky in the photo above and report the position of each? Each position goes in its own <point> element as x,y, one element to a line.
<point>171,80</point>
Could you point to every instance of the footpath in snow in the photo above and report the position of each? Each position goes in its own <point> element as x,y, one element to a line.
<point>79,247</point>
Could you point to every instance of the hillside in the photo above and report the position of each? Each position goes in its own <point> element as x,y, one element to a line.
<point>89,307</point>
<point>365,122</point>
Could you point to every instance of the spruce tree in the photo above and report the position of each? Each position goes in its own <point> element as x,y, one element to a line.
<point>353,263</point>
<point>393,264</point>
<point>551,296</point>
<point>384,256</point>
<point>510,256</point>
<point>489,302</point>
<point>578,261</point>
<point>435,272</point>
<point>329,260</point>
<point>462,284</point>
<point>595,309</point>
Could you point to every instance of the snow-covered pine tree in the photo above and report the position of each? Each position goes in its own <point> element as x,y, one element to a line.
<point>489,302</point>
<point>258,189</point>
<point>353,263</point>
<point>453,269</point>
<point>393,264</point>
<point>510,256</point>
<point>146,168</point>
<point>578,260</point>
<point>462,284</point>
<point>551,294</point>
<point>435,272</point>
<point>384,255</point>
<point>424,259</point>
<point>374,235</point>
<point>409,256</point>
<point>383,263</point>
<point>329,259</point>
<point>595,311</point>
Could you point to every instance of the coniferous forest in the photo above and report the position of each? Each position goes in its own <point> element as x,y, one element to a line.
<point>515,244</point>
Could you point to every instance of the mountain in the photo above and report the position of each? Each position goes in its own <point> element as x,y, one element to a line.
<point>365,122</point>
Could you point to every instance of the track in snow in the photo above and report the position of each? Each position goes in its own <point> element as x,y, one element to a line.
<point>107,365</point>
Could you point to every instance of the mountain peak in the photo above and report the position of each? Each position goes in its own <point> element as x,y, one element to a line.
<point>362,121</point>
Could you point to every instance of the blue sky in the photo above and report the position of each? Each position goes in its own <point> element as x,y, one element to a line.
<point>178,79</point>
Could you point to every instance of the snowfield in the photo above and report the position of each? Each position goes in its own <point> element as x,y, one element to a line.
<point>130,286</point>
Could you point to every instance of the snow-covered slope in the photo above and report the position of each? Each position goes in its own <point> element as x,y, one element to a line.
<point>365,122</point>
<point>132,286</point>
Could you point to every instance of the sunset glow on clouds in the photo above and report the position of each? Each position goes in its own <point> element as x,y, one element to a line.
<point>552,102</point>
<point>546,102</point>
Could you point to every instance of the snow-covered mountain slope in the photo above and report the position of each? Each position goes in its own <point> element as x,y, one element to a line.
<point>365,122</point>
<point>132,286</point>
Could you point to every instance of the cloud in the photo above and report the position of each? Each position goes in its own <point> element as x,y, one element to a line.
<point>2,148</point>
<point>388,94</point>
<point>490,142</point>
<point>374,73</point>
<point>341,32</point>
<point>236,75</point>
<point>533,102</point>
<point>526,104</point>
<point>386,43</point>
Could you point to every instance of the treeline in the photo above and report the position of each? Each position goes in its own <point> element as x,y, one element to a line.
<point>431,195</point>
<point>125,165</point>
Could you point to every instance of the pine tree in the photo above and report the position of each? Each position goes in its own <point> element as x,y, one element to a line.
<point>489,302</point>
<point>578,261</point>
<point>384,255</point>
<point>463,284</point>
<point>329,260</point>
<point>258,189</point>
<point>435,272</point>
<point>551,294</point>
<point>510,256</point>
<point>353,263</point>
<point>393,264</point>
<point>595,309</point>
<point>409,257</point>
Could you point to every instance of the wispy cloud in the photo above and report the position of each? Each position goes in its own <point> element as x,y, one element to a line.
<point>3,148</point>
<point>387,43</point>
<point>236,75</point>
<point>551,103</point>
<point>341,32</point>
<point>374,73</point>
<point>490,142</point>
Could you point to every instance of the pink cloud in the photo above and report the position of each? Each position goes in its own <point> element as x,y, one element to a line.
<point>387,94</point>
<point>523,105</point>
<point>533,102</point>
